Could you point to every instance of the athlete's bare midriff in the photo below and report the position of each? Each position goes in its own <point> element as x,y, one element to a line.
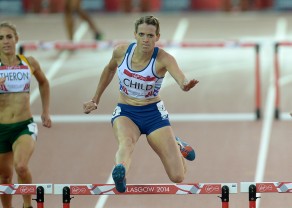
<point>137,102</point>
<point>14,107</point>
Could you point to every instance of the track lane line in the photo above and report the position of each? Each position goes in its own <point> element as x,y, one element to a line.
<point>280,33</point>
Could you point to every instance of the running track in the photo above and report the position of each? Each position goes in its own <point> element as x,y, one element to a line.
<point>231,145</point>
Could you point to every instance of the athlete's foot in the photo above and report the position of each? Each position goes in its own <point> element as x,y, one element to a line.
<point>119,177</point>
<point>186,150</point>
<point>98,36</point>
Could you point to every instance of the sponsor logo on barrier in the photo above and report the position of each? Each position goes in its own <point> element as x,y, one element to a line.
<point>23,189</point>
<point>261,188</point>
<point>212,188</point>
<point>78,190</point>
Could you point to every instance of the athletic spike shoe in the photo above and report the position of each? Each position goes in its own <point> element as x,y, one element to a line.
<point>98,36</point>
<point>186,150</point>
<point>119,177</point>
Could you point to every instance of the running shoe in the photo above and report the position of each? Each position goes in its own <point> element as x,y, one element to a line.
<point>186,150</point>
<point>98,36</point>
<point>119,177</point>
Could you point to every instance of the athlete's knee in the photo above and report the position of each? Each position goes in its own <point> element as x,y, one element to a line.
<point>126,143</point>
<point>6,178</point>
<point>21,170</point>
<point>177,178</point>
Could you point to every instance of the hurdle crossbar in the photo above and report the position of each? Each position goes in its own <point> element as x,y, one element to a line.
<point>179,189</point>
<point>25,189</point>
<point>69,45</point>
<point>267,187</point>
<point>96,45</point>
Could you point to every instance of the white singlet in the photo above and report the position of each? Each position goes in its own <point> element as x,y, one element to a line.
<point>17,77</point>
<point>141,84</point>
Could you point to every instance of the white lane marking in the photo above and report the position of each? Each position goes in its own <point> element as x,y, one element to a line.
<point>280,33</point>
<point>188,117</point>
<point>281,29</point>
<point>80,32</point>
<point>181,30</point>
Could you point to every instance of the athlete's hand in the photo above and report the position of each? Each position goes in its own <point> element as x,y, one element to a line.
<point>187,85</point>
<point>46,120</point>
<point>89,106</point>
<point>2,80</point>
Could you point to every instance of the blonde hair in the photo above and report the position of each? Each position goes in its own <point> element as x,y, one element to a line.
<point>10,26</point>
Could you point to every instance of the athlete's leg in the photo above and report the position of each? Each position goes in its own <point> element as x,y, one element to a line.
<point>70,5</point>
<point>6,173</point>
<point>164,144</point>
<point>126,5</point>
<point>23,148</point>
<point>127,134</point>
<point>244,5</point>
<point>227,5</point>
<point>83,15</point>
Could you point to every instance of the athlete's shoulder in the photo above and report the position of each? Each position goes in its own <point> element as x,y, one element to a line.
<point>164,55</point>
<point>26,59</point>
<point>31,60</point>
<point>33,63</point>
<point>120,49</point>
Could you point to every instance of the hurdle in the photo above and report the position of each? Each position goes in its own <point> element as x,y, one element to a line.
<point>66,190</point>
<point>264,187</point>
<point>28,189</point>
<point>100,45</point>
<point>277,73</point>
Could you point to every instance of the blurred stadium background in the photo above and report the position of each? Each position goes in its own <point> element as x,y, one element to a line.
<point>13,7</point>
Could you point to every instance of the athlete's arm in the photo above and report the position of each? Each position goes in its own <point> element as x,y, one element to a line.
<point>44,89</point>
<point>105,78</point>
<point>172,67</point>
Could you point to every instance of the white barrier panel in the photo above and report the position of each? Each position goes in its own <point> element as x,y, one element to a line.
<point>267,187</point>
<point>23,189</point>
<point>109,189</point>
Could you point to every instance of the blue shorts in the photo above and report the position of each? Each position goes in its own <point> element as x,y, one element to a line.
<point>148,118</point>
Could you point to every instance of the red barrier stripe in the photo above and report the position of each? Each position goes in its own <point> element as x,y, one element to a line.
<point>276,187</point>
<point>180,189</point>
<point>285,43</point>
<point>22,189</point>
